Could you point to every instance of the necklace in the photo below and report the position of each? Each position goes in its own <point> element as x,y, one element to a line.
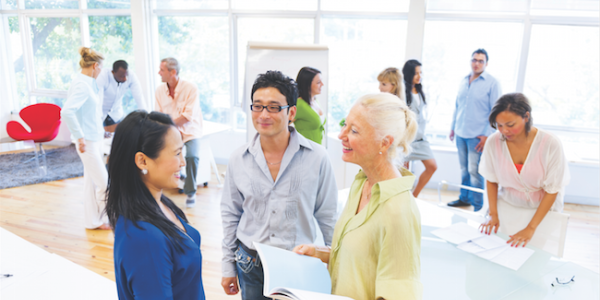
<point>273,164</point>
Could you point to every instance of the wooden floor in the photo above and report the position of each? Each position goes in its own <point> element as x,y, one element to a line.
<point>50,215</point>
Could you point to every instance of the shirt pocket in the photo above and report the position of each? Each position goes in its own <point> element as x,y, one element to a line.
<point>259,202</point>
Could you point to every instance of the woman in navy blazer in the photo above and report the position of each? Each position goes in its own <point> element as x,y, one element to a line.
<point>156,253</point>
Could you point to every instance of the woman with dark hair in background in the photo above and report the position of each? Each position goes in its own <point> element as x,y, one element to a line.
<point>523,166</point>
<point>415,99</point>
<point>310,118</point>
<point>156,253</point>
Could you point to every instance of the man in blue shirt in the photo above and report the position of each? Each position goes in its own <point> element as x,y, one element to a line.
<point>477,95</point>
<point>275,187</point>
<point>113,84</point>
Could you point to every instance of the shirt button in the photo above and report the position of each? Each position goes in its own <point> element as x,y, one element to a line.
<point>273,211</point>
<point>273,235</point>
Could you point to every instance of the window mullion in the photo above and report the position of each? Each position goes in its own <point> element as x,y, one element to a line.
<point>25,29</point>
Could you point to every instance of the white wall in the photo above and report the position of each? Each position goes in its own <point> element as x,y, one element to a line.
<point>583,189</point>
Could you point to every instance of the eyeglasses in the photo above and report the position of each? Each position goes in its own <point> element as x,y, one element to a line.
<point>563,283</point>
<point>270,108</point>
<point>478,61</point>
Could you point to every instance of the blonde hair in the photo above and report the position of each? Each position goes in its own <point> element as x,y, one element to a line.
<point>393,76</point>
<point>390,116</point>
<point>89,57</point>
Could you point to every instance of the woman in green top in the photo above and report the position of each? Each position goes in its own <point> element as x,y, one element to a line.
<point>376,246</point>
<point>310,119</point>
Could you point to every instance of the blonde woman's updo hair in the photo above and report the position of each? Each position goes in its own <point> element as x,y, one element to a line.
<point>89,57</point>
<point>393,76</point>
<point>390,116</point>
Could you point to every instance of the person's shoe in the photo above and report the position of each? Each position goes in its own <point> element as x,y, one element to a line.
<point>190,201</point>
<point>458,203</point>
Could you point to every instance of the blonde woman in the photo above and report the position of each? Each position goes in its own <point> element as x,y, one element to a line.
<point>391,81</point>
<point>375,252</point>
<point>82,112</point>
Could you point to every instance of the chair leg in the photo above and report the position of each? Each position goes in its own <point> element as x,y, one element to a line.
<point>44,165</point>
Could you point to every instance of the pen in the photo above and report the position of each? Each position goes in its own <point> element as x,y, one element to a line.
<point>7,275</point>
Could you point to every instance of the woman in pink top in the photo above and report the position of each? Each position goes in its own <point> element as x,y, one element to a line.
<point>523,166</point>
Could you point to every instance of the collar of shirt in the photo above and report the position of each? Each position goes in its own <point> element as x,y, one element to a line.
<point>89,81</point>
<point>177,88</point>
<point>296,141</point>
<point>384,190</point>
<point>483,75</point>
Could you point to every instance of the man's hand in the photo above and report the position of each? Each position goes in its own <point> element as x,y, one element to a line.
<point>81,145</point>
<point>482,139</point>
<point>451,136</point>
<point>230,285</point>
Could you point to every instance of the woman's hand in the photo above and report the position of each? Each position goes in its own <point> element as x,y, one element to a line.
<point>81,145</point>
<point>491,225</point>
<point>521,238</point>
<point>306,249</point>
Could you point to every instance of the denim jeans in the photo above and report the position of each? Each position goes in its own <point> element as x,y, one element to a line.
<point>469,167</point>
<point>192,158</point>
<point>250,275</point>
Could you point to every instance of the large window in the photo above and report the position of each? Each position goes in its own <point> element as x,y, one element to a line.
<point>359,49</point>
<point>201,45</point>
<point>17,59</point>
<point>447,50</point>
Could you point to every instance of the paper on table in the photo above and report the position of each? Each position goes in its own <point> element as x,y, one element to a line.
<point>458,233</point>
<point>302,294</point>
<point>490,254</point>
<point>513,257</point>
<point>482,243</point>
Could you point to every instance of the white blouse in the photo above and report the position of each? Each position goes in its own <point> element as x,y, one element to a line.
<point>545,171</point>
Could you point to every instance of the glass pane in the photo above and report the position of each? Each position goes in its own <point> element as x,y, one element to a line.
<point>51,4</point>
<point>117,4</point>
<point>562,79</point>
<point>57,101</point>
<point>358,51</point>
<point>496,6</point>
<point>8,4</point>
<point>587,8</point>
<point>202,62</point>
<point>373,5</point>
<point>275,4</point>
<point>191,4</point>
<point>55,44</point>
<point>17,59</point>
<point>111,36</point>
<point>447,52</point>
<point>299,31</point>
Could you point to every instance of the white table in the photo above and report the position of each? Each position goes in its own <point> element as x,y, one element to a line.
<point>450,273</point>
<point>38,274</point>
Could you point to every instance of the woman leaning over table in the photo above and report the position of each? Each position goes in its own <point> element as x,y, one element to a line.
<point>375,253</point>
<point>524,166</point>
<point>82,112</point>
<point>156,252</point>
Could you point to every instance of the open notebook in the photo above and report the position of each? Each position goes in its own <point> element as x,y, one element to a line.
<point>292,276</point>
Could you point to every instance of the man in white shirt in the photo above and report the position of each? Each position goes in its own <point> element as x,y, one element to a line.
<point>113,85</point>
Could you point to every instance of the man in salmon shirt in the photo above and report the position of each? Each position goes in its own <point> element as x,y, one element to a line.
<point>179,99</point>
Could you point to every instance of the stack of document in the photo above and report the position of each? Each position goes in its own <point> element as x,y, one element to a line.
<point>490,247</point>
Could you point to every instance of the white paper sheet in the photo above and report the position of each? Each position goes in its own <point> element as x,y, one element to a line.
<point>458,233</point>
<point>513,258</point>
<point>482,243</point>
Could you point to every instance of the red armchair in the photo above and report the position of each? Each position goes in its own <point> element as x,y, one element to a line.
<point>42,118</point>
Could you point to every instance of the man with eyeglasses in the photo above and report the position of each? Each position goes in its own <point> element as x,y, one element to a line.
<point>112,86</point>
<point>275,186</point>
<point>477,95</point>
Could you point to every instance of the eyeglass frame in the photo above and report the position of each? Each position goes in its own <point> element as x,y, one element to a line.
<point>473,61</point>
<point>563,283</point>
<point>267,107</point>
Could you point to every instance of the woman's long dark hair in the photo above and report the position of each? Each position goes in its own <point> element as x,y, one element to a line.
<point>304,81</point>
<point>127,194</point>
<point>409,71</point>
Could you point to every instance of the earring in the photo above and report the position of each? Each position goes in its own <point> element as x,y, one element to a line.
<point>144,171</point>
<point>380,152</point>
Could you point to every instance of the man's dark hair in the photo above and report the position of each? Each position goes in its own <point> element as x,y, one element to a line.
<point>482,51</point>
<point>284,84</point>
<point>515,103</point>
<point>120,64</point>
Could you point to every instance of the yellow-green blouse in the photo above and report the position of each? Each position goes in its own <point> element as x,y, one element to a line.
<point>376,253</point>
<point>308,122</point>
